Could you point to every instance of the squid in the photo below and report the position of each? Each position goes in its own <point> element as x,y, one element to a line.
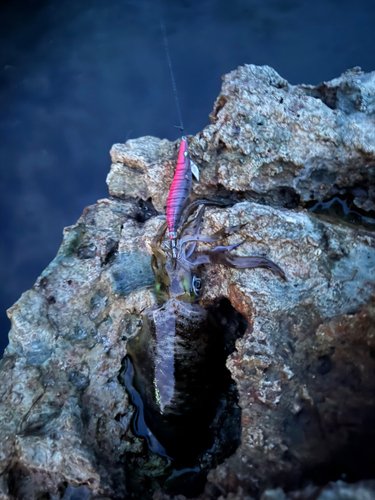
<point>175,354</point>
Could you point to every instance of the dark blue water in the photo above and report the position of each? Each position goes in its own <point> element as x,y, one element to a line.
<point>139,424</point>
<point>77,76</point>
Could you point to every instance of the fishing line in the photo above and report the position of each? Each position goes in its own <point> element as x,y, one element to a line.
<point>166,45</point>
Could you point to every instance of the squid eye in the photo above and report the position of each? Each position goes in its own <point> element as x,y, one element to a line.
<point>197,284</point>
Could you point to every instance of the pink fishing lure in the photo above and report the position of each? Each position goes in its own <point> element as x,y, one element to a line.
<point>180,189</point>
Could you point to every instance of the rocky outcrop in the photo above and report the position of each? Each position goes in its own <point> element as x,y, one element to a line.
<point>304,367</point>
<point>268,141</point>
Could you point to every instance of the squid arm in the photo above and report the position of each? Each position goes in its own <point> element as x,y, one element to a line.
<point>221,255</point>
<point>155,244</point>
<point>193,225</point>
<point>189,209</point>
<point>225,231</point>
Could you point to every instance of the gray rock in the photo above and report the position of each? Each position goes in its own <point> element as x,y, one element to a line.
<point>38,353</point>
<point>131,270</point>
<point>339,490</point>
<point>304,367</point>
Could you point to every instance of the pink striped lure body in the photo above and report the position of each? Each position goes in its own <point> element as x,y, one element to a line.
<point>180,189</point>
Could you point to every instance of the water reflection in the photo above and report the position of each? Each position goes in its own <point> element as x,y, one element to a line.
<point>338,208</point>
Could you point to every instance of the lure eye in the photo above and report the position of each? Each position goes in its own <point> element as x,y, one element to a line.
<point>186,153</point>
<point>196,284</point>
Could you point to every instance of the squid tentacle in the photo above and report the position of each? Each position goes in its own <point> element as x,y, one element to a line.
<point>192,225</point>
<point>159,235</point>
<point>222,233</point>
<point>196,223</point>
<point>204,258</point>
<point>235,261</point>
<point>188,210</point>
<point>223,249</point>
<point>157,251</point>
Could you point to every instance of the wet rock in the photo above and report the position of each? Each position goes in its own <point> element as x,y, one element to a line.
<point>304,366</point>
<point>80,493</point>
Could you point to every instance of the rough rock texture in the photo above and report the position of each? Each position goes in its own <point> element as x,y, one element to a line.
<point>363,490</point>
<point>269,141</point>
<point>304,369</point>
